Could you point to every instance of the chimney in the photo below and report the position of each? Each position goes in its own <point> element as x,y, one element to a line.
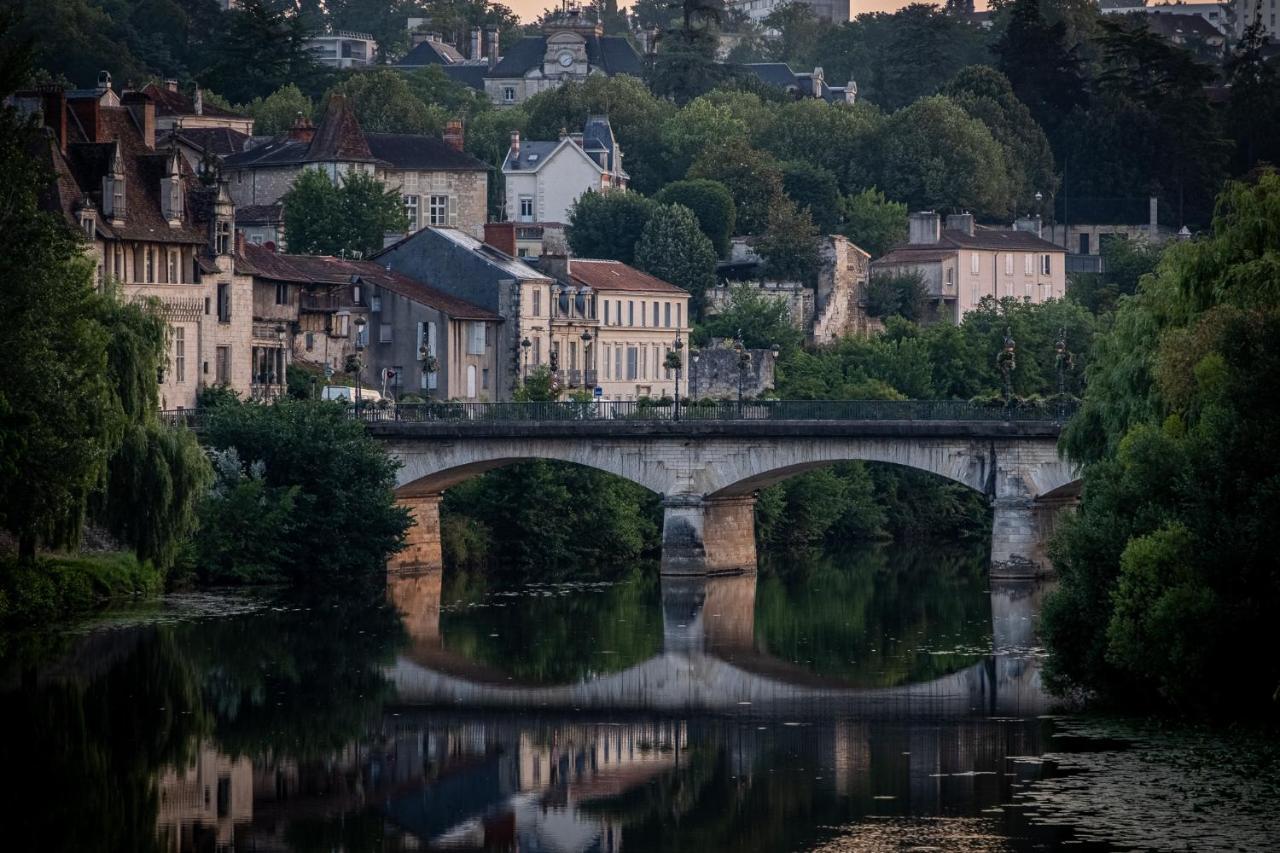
<point>53,106</point>
<point>239,243</point>
<point>302,129</point>
<point>475,43</point>
<point>515,145</point>
<point>88,112</point>
<point>198,99</point>
<point>143,110</point>
<point>453,134</point>
<point>501,236</point>
<point>171,85</point>
<point>1153,216</point>
<point>104,82</point>
<point>1030,224</point>
<point>577,139</point>
<point>556,266</point>
<point>492,53</point>
<point>960,222</point>
<point>564,132</point>
<point>924,228</point>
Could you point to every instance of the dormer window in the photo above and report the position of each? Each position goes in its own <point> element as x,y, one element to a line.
<point>89,223</point>
<point>222,237</point>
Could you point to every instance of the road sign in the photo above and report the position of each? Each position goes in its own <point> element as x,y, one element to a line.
<point>598,393</point>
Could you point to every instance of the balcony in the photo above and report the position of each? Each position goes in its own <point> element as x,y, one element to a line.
<point>319,301</point>
<point>576,378</point>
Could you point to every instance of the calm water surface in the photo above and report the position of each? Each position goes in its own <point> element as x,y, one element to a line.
<point>880,701</point>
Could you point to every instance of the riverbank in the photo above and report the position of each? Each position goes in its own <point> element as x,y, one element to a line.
<point>57,587</point>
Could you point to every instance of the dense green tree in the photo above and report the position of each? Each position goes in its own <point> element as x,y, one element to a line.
<point>1125,262</point>
<point>762,319</point>
<point>1253,114</point>
<point>608,225</point>
<point>813,189</point>
<point>1169,566</point>
<point>454,20</point>
<point>260,49</point>
<point>384,102</point>
<point>700,123</point>
<point>1043,64</point>
<point>873,222</point>
<point>277,112</point>
<point>710,202</point>
<point>831,504</point>
<point>935,155</point>
<point>798,29</point>
<point>837,137</point>
<point>342,519</point>
<point>985,94</point>
<point>789,246</point>
<point>901,295</point>
<point>673,248</point>
<point>439,91</point>
<point>686,65</point>
<point>753,178</point>
<point>348,220</point>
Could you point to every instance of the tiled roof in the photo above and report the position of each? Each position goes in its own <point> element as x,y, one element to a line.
<point>328,270</point>
<point>217,140</point>
<point>615,275</point>
<point>990,239</point>
<point>178,104</point>
<point>417,152</point>
<point>611,54</point>
<point>912,254</point>
<point>339,136</point>
<point>430,53</point>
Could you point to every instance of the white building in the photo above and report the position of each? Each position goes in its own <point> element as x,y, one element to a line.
<point>343,49</point>
<point>835,11</point>
<point>545,178</point>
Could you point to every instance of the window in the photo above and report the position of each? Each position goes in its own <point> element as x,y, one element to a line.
<point>606,312</point>
<point>384,333</point>
<point>1026,265</point>
<point>175,266</point>
<point>117,262</point>
<point>411,211</point>
<point>89,225</point>
<point>617,362</point>
<point>180,353</point>
<point>537,302</point>
<point>222,237</point>
<point>341,326</point>
<point>573,355</point>
<point>537,351</point>
<point>1047,269</point>
<point>679,316</point>
<point>282,293</point>
<point>633,363</point>
<point>631,313</point>
<point>1008,264</point>
<point>311,341</point>
<point>608,362</point>
<point>224,302</point>
<point>150,256</point>
<point>974,263</point>
<point>375,302</point>
<point>475,340</point>
<point>222,365</point>
<point>666,314</point>
<point>509,94</point>
<point>438,210</point>
<point>484,379</point>
<point>526,208</point>
<point>471,380</point>
<point>355,294</point>
<point>951,275</point>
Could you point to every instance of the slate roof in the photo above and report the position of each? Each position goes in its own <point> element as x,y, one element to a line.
<point>1175,26</point>
<point>328,270</point>
<point>468,75</point>
<point>260,214</point>
<point>615,275</point>
<point>989,239</point>
<point>533,153</point>
<point>430,52</point>
<point>421,153</point>
<point>611,54</point>
<point>217,140</point>
<point>781,75</point>
<point>178,104</point>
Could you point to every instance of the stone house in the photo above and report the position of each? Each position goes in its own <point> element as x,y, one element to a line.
<point>153,227</point>
<point>545,178</point>
<point>440,183</point>
<point>965,262</point>
<point>571,47</point>
<point>416,339</point>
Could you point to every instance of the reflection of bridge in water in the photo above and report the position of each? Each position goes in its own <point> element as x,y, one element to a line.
<point>709,663</point>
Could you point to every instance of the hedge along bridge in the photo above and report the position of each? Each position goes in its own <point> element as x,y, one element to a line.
<point>708,462</point>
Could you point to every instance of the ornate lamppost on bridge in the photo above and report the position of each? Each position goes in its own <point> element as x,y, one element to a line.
<point>1006,362</point>
<point>360,324</point>
<point>524,347</point>
<point>1063,361</point>
<point>695,356</point>
<point>586,343</point>
<point>430,364</point>
<point>674,361</point>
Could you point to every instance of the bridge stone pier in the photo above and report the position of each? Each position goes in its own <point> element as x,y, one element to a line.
<point>709,473</point>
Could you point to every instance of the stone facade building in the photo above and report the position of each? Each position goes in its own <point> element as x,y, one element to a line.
<point>153,227</point>
<point>717,371</point>
<point>544,178</point>
<point>965,262</point>
<point>441,184</point>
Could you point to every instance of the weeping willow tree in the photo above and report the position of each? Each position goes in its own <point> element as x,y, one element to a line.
<point>158,473</point>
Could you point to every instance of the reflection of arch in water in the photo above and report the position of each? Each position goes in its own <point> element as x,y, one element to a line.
<point>708,663</point>
<point>708,482</point>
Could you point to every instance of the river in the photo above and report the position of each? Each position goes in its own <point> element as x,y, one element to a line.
<point>883,700</point>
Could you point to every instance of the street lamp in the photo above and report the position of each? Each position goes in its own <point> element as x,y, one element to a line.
<point>586,342</point>
<point>281,373</point>
<point>675,360</point>
<point>524,345</point>
<point>1063,361</point>
<point>360,324</point>
<point>1006,361</point>
<point>696,356</point>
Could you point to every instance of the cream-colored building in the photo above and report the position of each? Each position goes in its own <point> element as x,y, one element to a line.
<point>544,179</point>
<point>611,327</point>
<point>213,792</point>
<point>154,229</point>
<point>963,263</point>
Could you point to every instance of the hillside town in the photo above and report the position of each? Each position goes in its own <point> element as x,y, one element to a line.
<point>745,425</point>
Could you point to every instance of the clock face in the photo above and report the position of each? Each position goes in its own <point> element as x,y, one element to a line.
<point>565,59</point>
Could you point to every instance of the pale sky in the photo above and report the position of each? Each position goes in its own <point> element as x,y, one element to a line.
<point>529,10</point>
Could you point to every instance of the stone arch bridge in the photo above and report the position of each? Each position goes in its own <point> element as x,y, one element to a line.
<point>708,471</point>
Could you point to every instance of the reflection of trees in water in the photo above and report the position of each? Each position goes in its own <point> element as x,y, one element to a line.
<point>552,638</point>
<point>81,754</point>
<point>863,615</point>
